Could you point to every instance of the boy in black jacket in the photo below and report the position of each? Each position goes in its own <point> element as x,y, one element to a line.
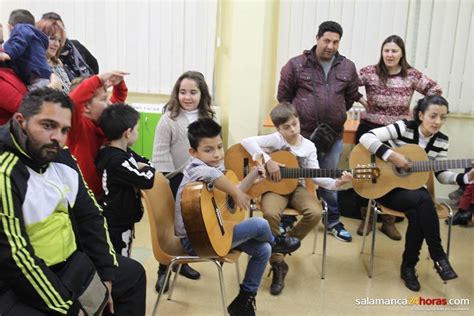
<point>124,173</point>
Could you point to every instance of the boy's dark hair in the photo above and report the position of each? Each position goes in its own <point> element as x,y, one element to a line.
<point>21,16</point>
<point>202,128</point>
<point>329,26</point>
<point>52,16</point>
<point>282,112</point>
<point>116,119</point>
<point>423,104</point>
<point>32,102</point>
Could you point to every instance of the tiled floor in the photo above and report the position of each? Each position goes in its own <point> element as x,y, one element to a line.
<point>346,290</point>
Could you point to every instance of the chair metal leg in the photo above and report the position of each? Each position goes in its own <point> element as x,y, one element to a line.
<point>237,270</point>
<point>171,289</point>
<point>315,240</point>
<point>221,284</point>
<point>372,252</point>
<point>450,225</point>
<point>325,234</point>
<point>366,224</point>
<point>162,290</point>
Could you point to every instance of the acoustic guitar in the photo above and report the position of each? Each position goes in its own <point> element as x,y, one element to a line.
<point>239,160</point>
<point>391,177</point>
<point>210,215</point>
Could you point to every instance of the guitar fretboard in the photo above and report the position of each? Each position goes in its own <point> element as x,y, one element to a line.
<point>437,165</point>
<point>310,173</point>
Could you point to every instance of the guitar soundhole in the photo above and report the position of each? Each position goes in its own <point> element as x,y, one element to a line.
<point>231,205</point>
<point>402,172</point>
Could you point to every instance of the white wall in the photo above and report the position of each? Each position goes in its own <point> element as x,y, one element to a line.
<point>155,40</point>
<point>438,37</point>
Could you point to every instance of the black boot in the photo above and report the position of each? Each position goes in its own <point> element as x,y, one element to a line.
<point>445,270</point>
<point>279,270</point>
<point>461,217</point>
<point>243,304</point>
<point>187,271</point>
<point>161,279</point>
<point>285,244</point>
<point>408,274</point>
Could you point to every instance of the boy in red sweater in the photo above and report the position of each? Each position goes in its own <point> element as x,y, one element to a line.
<point>86,137</point>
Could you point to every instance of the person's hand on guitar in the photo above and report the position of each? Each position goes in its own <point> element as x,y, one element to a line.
<point>273,169</point>
<point>260,170</point>
<point>399,160</point>
<point>345,178</point>
<point>241,199</point>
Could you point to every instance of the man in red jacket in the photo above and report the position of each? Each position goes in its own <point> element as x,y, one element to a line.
<point>323,85</point>
<point>86,137</point>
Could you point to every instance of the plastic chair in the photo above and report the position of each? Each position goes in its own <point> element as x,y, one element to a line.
<point>442,208</point>
<point>292,212</point>
<point>159,205</point>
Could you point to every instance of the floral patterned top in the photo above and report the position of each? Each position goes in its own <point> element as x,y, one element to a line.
<point>391,102</point>
<point>58,69</point>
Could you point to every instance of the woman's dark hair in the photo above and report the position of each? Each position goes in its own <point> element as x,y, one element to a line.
<point>204,107</point>
<point>423,104</point>
<point>382,70</point>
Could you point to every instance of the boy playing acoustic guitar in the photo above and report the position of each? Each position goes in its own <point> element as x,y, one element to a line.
<point>253,235</point>
<point>287,137</point>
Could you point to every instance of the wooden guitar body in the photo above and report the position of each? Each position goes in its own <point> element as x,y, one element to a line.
<point>209,218</point>
<point>389,177</point>
<point>239,160</point>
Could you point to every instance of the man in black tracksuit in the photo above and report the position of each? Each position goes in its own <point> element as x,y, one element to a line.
<point>52,232</point>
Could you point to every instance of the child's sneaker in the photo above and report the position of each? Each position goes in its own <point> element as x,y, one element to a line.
<point>340,232</point>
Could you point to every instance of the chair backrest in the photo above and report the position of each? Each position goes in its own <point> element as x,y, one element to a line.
<point>159,205</point>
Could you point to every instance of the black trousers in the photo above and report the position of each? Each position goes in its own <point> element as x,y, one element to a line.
<point>128,293</point>
<point>121,238</point>
<point>423,222</point>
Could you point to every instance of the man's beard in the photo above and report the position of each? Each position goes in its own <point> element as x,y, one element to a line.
<point>43,155</point>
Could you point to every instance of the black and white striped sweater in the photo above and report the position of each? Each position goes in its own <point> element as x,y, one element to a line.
<point>403,132</point>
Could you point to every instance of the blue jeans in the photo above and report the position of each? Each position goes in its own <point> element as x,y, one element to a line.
<point>330,160</point>
<point>254,237</point>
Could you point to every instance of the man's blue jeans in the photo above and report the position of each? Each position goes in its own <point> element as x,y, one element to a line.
<point>330,160</point>
<point>254,237</point>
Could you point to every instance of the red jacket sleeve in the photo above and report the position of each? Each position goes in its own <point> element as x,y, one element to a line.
<point>119,93</point>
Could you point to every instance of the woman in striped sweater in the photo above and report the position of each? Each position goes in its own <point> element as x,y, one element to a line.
<point>423,224</point>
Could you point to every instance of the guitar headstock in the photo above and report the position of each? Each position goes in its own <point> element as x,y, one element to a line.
<point>365,172</point>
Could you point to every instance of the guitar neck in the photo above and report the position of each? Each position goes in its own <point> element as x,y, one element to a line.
<point>310,173</point>
<point>438,165</point>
